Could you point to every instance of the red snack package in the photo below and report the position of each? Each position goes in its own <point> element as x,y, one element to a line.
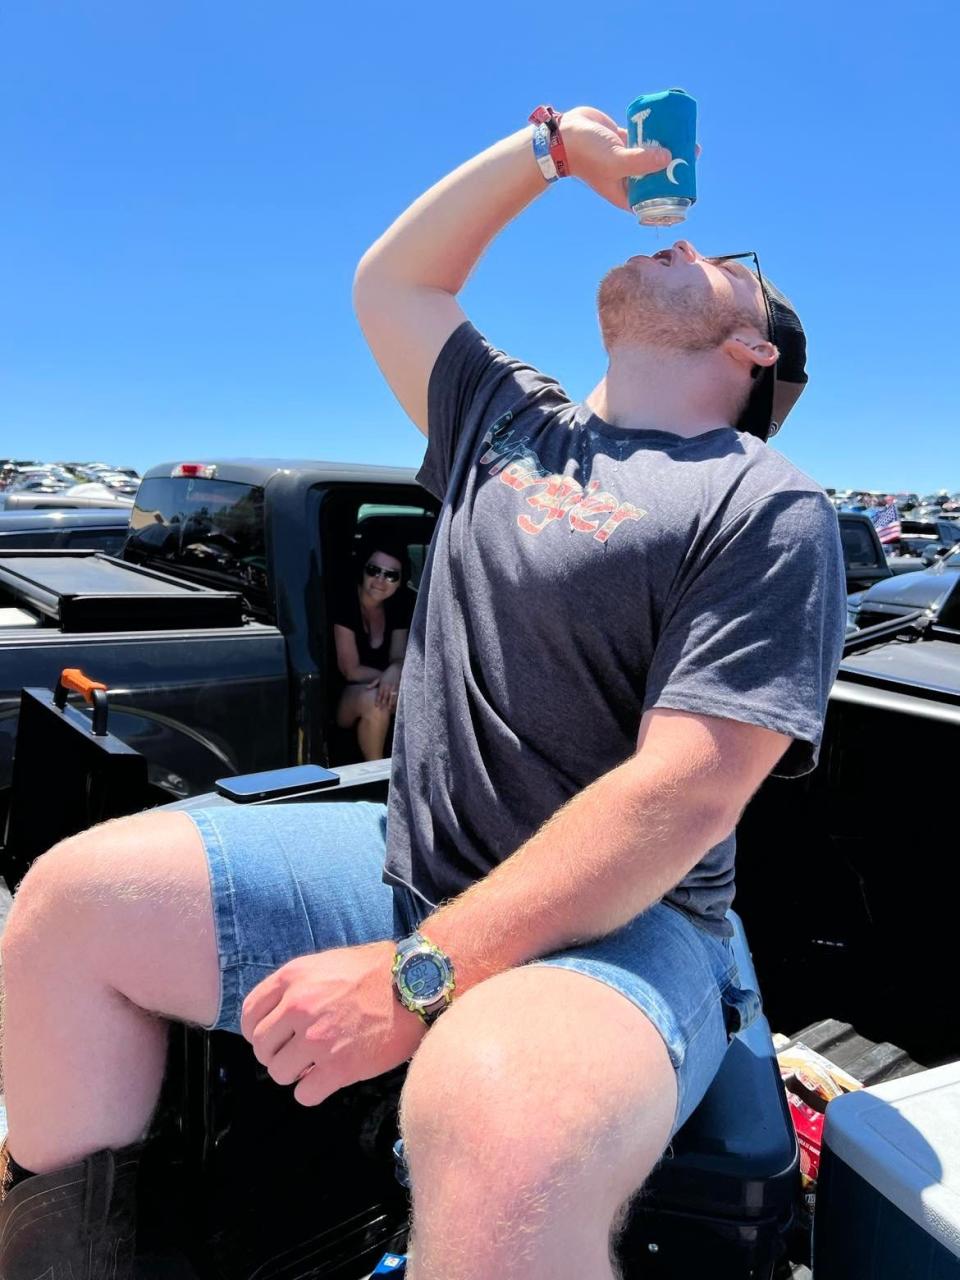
<point>809,1126</point>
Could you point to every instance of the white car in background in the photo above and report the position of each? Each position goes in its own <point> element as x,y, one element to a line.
<point>120,482</point>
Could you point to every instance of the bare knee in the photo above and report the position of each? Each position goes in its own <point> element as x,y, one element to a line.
<point>534,1095</point>
<point>475,1099</point>
<point>73,890</point>
<point>125,907</point>
<point>374,714</point>
<point>45,893</point>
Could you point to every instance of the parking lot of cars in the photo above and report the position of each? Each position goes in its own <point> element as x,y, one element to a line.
<point>23,483</point>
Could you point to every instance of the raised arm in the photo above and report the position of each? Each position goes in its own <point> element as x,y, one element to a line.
<point>406,284</point>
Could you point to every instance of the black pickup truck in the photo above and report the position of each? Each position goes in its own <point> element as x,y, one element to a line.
<point>850,909</point>
<point>90,528</point>
<point>211,628</point>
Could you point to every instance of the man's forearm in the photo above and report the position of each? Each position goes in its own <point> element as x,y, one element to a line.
<point>609,853</point>
<point>437,241</point>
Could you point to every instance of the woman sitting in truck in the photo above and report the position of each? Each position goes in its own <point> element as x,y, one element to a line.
<point>371,621</point>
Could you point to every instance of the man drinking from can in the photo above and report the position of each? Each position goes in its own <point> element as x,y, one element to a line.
<point>632,613</point>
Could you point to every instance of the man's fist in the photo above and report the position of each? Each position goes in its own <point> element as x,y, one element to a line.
<point>327,1020</point>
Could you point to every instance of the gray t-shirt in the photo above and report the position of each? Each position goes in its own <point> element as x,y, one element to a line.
<point>581,574</point>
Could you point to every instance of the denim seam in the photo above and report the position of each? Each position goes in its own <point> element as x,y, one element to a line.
<point>696,1026</point>
<point>224,911</point>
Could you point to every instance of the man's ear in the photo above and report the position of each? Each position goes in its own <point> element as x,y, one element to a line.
<point>748,348</point>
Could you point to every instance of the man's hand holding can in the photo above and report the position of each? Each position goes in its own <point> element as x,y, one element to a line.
<point>598,153</point>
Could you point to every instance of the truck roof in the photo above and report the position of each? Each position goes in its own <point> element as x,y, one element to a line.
<point>258,471</point>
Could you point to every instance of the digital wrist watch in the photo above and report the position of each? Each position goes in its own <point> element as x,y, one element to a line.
<point>423,977</point>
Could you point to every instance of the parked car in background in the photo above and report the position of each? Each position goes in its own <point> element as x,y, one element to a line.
<point>935,591</point>
<point>120,482</point>
<point>906,501</point>
<point>935,535</point>
<point>94,528</point>
<point>935,499</point>
<point>947,537</point>
<point>38,480</point>
<point>76,497</point>
<point>864,557</point>
<point>101,470</point>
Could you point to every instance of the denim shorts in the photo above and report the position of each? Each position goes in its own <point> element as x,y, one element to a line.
<point>292,879</point>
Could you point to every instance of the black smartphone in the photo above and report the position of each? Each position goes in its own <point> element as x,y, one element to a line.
<point>273,784</point>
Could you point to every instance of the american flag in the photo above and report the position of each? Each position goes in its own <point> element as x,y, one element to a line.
<point>886,521</point>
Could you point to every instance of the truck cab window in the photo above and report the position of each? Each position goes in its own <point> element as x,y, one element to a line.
<point>211,530</point>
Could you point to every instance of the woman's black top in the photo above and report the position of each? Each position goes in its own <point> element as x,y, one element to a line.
<point>397,610</point>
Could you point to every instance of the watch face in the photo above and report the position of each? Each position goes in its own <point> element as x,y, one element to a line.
<point>423,978</point>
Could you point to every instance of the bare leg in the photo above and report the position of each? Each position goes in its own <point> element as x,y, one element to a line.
<point>358,706</point>
<point>110,933</point>
<point>537,1105</point>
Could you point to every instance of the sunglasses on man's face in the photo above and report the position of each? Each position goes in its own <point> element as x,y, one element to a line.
<point>378,571</point>
<point>751,262</point>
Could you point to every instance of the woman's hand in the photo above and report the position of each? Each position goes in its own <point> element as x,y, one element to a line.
<point>388,687</point>
<point>597,150</point>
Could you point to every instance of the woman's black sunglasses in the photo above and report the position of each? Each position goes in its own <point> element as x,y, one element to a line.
<point>378,571</point>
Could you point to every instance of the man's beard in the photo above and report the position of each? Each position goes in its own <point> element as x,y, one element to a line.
<point>635,311</point>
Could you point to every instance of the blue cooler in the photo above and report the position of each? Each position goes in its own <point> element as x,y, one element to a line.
<point>725,1197</point>
<point>888,1197</point>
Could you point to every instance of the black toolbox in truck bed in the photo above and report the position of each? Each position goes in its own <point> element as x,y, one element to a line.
<point>89,591</point>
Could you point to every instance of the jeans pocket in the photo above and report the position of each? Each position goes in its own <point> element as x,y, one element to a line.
<point>741,1007</point>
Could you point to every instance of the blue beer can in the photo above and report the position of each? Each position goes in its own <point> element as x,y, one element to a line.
<point>667,119</point>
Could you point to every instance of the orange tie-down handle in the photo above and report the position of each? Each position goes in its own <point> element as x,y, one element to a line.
<point>72,678</point>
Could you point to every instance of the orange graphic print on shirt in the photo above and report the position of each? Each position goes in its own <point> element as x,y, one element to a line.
<point>552,496</point>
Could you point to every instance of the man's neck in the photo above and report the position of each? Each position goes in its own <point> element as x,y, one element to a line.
<point>645,389</point>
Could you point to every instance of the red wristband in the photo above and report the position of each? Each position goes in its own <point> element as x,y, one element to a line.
<point>558,152</point>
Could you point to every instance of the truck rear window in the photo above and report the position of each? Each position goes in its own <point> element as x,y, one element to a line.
<point>211,529</point>
<point>859,547</point>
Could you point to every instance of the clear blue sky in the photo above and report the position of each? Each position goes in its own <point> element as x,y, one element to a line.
<point>188,185</point>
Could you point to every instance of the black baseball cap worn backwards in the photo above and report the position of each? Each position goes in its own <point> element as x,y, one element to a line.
<point>789,373</point>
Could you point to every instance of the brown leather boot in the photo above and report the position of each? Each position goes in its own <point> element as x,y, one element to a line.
<point>74,1224</point>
